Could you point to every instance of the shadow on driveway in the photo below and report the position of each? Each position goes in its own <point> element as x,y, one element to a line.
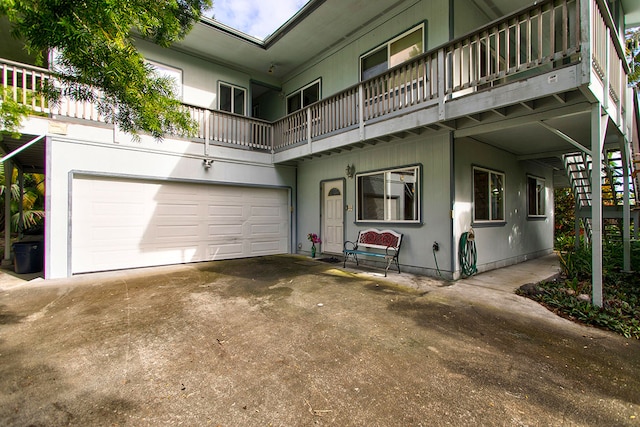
<point>286,341</point>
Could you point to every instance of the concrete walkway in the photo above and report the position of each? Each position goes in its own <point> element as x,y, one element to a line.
<point>508,279</point>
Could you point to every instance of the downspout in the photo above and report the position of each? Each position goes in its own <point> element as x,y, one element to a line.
<point>452,204</point>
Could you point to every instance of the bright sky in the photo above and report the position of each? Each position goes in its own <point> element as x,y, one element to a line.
<point>257,18</point>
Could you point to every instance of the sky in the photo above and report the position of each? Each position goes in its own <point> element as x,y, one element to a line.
<point>257,18</point>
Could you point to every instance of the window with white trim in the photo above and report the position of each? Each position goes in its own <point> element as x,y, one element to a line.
<point>488,195</point>
<point>389,196</point>
<point>303,97</point>
<point>394,52</point>
<point>232,99</point>
<point>171,73</point>
<point>535,196</point>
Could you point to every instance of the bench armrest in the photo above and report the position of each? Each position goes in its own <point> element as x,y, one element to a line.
<point>353,245</point>
<point>394,250</point>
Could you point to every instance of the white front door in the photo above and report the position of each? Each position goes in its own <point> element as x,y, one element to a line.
<point>332,218</point>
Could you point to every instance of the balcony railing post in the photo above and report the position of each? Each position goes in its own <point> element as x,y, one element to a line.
<point>207,132</point>
<point>309,127</point>
<point>272,131</point>
<point>441,83</point>
<point>361,111</point>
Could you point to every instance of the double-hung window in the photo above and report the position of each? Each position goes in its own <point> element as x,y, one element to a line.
<point>394,52</point>
<point>488,195</point>
<point>303,97</point>
<point>389,196</point>
<point>232,98</point>
<point>535,196</point>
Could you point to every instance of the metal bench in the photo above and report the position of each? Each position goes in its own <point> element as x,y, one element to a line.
<point>371,242</point>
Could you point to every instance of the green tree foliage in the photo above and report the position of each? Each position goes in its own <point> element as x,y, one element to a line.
<point>11,113</point>
<point>96,59</point>
<point>564,205</point>
<point>32,200</point>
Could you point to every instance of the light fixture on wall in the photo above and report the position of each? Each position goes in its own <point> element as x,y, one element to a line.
<point>350,170</point>
<point>207,163</point>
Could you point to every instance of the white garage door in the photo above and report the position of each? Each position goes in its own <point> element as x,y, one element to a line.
<point>119,223</point>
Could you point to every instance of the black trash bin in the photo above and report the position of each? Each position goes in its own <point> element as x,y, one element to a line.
<point>27,257</point>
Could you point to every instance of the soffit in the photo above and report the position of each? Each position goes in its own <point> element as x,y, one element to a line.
<point>632,12</point>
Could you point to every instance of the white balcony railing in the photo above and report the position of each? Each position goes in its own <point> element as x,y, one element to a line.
<point>22,82</point>
<point>533,41</point>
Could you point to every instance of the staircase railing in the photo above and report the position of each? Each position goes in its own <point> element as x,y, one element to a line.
<point>579,169</point>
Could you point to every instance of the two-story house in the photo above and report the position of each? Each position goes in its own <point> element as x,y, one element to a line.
<point>429,117</point>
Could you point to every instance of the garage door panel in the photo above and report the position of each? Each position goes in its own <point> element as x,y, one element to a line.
<point>222,210</point>
<point>180,232</point>
<point>226,251</point>
<point>176,209</point>
<point>129,223</point>
<point>224,230</point>
<point>265,247</point>
<point>262,229</point>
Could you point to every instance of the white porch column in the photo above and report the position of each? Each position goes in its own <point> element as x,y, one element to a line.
<point>598,128</point>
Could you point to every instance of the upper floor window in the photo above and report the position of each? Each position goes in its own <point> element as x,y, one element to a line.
<point>232,98</point>
<point>535,196</point>
<point>394,52</point>
<point>174,74</point>
<point>303,97</point>
<point>390,195</point>
<point>488,195</point>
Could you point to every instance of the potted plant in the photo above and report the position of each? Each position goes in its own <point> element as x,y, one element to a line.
<point>313,238</point>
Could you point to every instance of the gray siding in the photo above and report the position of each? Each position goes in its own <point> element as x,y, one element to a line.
<point>339,68</point>
<point>519,237</point>
<point>432,152</point>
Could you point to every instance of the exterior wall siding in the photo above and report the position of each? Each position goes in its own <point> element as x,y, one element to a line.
<point>519,237</point>
<point>432,152</point>
<point>339,68</point>
<point>201,77</point>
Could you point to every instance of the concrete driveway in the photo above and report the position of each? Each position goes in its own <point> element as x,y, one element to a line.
<point>288,341</point>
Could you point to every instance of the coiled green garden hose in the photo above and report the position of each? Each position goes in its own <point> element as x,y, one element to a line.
<point>467,254</point>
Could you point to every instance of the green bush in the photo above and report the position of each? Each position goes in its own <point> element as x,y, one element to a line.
<point>570,295</point>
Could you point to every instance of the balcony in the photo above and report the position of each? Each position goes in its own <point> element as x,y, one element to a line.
<point>475,79</point>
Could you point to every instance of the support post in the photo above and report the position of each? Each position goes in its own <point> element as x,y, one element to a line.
<point>597,139</point>
<point>8,174</point>
<point>576,227</point>
<point>626,206</point>
<point>20,203</point>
